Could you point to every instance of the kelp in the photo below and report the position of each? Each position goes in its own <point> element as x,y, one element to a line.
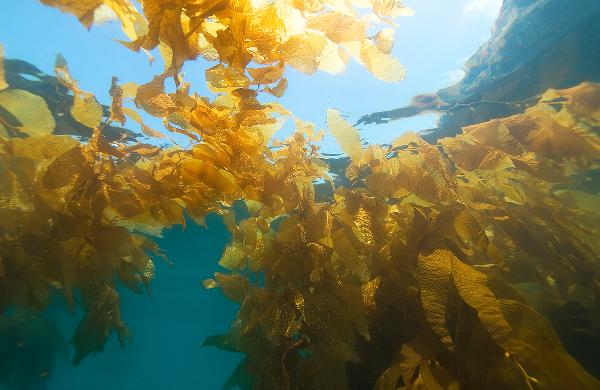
<point>410,277</point>
<point>415,274</point>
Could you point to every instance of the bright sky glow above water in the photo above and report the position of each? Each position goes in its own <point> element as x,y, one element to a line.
<point>433,45</point>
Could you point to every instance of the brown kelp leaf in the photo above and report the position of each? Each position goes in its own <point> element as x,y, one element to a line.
<point>153,99</point>
<point>346,135</point>
<point>82,9</point>
<point>278,90</point>
<point>145,129</point>
<point>66,169</point>
<point>86,110</point>
<point>223,79</point>
<point>518,329</point>
<point>266,75</point>
<point>103,316</point>
<point>29,109</point>
<point>434,276</point>
<point>391,8</point>
<point>116,108</point>
<point>235,287</point>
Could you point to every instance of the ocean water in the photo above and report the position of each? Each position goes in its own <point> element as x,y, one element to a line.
<point>169,326</point>
<point>445,235</point>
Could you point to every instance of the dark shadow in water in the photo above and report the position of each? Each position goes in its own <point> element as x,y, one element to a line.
<point>28,347</point>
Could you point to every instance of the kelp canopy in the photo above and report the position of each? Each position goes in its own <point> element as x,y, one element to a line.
<point>429,270</point>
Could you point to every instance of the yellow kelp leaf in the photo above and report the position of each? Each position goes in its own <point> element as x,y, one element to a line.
<point>82,9</point>
<point>579,199</point>
<point>29,109</point>
<point>233,257</point>
<point>129,89</point>
<point>278,90</point>
<point>338,27</point>
<point>384,40</point>
<point>103,316</point>
<point>407,138</point>
<point>222,79</point>
<point>3,84</point>
<point>469,231</point>
<point>381,65</point>
<point>86,110</point>
<point>391,8</point>
<point>346,135</point>
<point>13,192</point>
<point>46,147</point>
<point>266,75</point>
<point>369,294</point>
<point>333,59</point>
<point>145,129</point>
<point>347,253</point>
<point>209,283</point>
<point>353,301</point>
<point>195,171</point>
<point>133,23</point>
<point>434,277</point>
<point>303,51</point>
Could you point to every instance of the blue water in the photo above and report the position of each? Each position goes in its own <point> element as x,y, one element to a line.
<point>167,328</point>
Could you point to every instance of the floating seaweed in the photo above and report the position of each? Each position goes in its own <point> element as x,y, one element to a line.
<point>432,268</point>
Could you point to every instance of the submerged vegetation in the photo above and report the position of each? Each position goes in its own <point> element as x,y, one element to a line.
<point>435,267</point>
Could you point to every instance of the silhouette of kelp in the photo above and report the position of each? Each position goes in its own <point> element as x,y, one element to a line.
<point>28,347</point>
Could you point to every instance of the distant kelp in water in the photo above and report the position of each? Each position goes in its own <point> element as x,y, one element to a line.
<point>29,346</point>
<point>409,277</point>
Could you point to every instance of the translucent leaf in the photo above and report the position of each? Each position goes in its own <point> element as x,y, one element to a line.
<point>233,257</point>
<point>338,27</point>
<point>381,65</point>
<point>86,110</point>
<point>384,40</point>
<point>278,90</point>
<point>29,109</point>
<point>346,136</point>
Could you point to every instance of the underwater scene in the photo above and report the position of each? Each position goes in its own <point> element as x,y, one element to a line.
<point>285,194</point>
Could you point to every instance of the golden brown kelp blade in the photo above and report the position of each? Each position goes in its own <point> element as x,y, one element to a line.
<point>402,280</point>
<point>405,280</point>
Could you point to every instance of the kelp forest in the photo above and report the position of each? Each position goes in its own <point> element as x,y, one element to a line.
<point>460,262</point>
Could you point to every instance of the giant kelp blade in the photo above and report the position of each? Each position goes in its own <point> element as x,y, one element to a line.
<point>30,110</point>
<point>345,134</point>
